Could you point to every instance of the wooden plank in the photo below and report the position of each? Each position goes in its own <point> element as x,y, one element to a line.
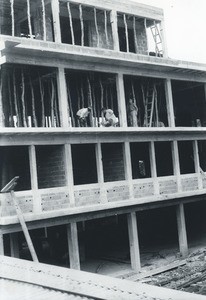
<point>169,102</point>
<point>73,245</point>
<point>133,241</point>
<point>182,232</point>
<point>24,228</point>
<point>14,244</point>
<point>156,271</point>
<point>121,100</point>
<point>56,20</point>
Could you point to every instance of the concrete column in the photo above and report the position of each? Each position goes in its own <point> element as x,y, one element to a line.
<point>153,167</point>
<point>100,172</point>
<point>14,244</point>
<point>1,243</point>
<point>62,96</point>
<point>73,245</point>
<point>121,100</point>
<point>115,36</point>
<point>56,20</point>
<point>133,241</point>
<point>182,232</point>
<point>34,181</point>
<point>169,103</point>
<point>197,164</point>
<point>176,164</point>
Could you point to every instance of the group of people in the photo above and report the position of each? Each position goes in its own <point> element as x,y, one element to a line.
<point>108,117</point>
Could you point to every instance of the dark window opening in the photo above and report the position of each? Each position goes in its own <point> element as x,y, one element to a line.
<point>140,160</point>
<point>163,156</point>
<point>202,154</point>
<point>186,157</point>
<point>189,104</point>
<point>14,161</point>
<point>84,164</point>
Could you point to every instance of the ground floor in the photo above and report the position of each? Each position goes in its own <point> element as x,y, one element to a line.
<point>119,244</point>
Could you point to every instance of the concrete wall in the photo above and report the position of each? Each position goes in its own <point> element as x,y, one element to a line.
<point>50,166</point>
<point>113,164</point>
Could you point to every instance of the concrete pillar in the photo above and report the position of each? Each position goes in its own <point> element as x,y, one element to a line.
<point>14,244</point>
<point>169,103</point>
<point>1,243</point>
<point>182,232</point>
<point>73,245</point>
<point>133,241</point>
<point>121,100</point>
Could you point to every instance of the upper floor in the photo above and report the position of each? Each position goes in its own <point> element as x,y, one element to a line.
<point>116,25</point>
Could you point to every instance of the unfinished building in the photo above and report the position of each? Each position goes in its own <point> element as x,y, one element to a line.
<point>88,192</point>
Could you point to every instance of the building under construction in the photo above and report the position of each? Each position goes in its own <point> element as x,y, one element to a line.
<point>87,192</point>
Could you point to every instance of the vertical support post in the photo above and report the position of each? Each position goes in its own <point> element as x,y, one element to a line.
<point>114,25</point>
<point>1,243</point>
<point>182,232</point>
<point>133,241</point>
<point>197,164</point>
<point>56,20</point>
<point>1,100</point>
<point>128,167</point>
<point>100,172</point>
<point>62,96</point>
<point>72,235</point>
<point>153,167</point>
<point>69,173</point>
<point>176,164</point>
<point>34,180</point>
<point>121,100</point>
<point>169,103</point>
<point>14,244</point>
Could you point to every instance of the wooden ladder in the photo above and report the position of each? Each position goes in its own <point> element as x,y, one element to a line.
<point>150,104</point>
<point>157,39</point>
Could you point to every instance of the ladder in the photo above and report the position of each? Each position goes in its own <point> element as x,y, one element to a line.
<point>150,105</point>
<point>157,39</point>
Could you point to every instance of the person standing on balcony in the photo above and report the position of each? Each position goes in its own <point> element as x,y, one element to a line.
<point>109,118</point>
<point>132,112</point>
<point>83,116</point>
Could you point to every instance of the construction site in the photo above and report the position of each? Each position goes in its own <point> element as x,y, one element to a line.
<point>102,152</point>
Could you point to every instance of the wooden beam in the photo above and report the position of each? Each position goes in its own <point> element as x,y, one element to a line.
<point>56,20</point>
<point>62,96</point>
<point>169,103</point>
<point>121,100</point>
<point>115,36</point>
<point>133,241</point>
<point>197,163</point>
<point>182,232</point>
<point>73,245</point>
<point>14,244</point>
